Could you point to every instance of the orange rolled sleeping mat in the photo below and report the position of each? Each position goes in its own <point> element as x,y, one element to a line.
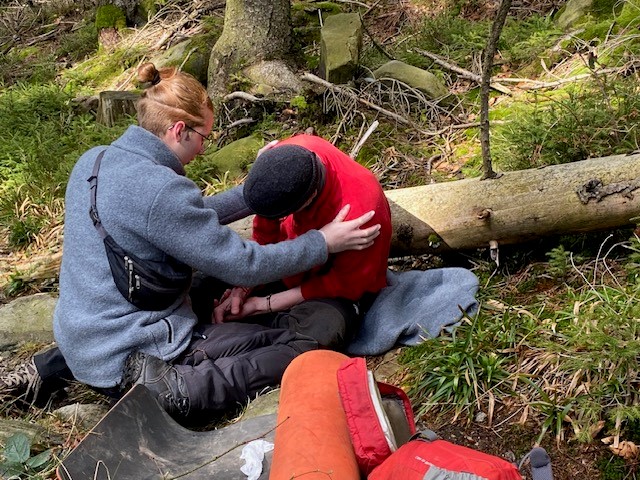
<point>312,437</point>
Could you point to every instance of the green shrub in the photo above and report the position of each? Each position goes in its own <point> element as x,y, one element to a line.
<point>569,358</point>
<point>457,39</point>
<point>522,40</point>
<point>34,68</point>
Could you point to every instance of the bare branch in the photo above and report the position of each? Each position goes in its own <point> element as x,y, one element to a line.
<point>354,2</point>
<point>243,96</point>
<point>309,77</point>
<point>461,71</point>
<point>356,149</point>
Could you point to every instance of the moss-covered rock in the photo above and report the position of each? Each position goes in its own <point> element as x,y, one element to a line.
<point>27,318</point>
<point>191,55</point>
<point>577,12</point>
<point>270,77</point>
<point>146,9</point>
<point>340,47</point>
<point>237,156</point>
<point>426,82</point>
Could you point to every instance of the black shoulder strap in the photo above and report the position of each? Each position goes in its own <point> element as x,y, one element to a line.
<point>93,210</point>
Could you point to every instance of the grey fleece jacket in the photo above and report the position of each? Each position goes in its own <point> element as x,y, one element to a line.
<point>152,210</point>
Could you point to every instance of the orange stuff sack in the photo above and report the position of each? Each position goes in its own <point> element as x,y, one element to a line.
<point>312,437</point>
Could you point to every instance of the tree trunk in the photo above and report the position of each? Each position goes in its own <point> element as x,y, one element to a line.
<point>584,196</point>
<point>254,30</point>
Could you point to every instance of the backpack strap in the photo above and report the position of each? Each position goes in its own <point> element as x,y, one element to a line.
<point>93,210</point>
<point>540,464</point>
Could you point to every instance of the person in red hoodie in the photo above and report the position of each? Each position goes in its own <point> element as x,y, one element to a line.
<point>297,185</point>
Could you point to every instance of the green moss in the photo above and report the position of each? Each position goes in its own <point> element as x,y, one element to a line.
<point>299,102</point>
<point>235,157</point>
<point>630,14</point>
<point>147,8</point>
<point>613,468</point>
<point>305,13</point>
<point>26,52</point>
<point>578,122</point>
<point>193,55</point>
<point>110,16</point>
<point>99,70</point>
<point>606,8</point>
<point>212,26</point>
<point>596,30</point>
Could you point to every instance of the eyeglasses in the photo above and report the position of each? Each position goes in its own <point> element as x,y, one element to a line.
<point>206,141</point>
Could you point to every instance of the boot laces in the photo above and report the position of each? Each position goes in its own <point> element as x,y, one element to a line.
<point>23,380</point>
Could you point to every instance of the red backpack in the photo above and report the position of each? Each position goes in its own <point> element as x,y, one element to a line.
<point>382,431</point>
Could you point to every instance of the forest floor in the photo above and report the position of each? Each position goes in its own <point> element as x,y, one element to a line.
<point>504,436</point>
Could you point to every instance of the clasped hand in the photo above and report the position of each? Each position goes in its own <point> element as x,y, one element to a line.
<point>235,304</point>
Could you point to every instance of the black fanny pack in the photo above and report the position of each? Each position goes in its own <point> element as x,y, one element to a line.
<point>149,285</point>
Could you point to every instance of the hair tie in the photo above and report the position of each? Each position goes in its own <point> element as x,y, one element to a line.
<point>156,78</point>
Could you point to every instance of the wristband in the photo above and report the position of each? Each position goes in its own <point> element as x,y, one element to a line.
<point>269,303</point>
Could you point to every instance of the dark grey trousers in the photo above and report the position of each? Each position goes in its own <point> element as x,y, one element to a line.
<point>228,364</point>
<point>332,322</point>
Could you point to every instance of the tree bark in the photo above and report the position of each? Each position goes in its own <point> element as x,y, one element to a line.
<point>254,30</point>
<point>485,83</point>
<point>584,196</point>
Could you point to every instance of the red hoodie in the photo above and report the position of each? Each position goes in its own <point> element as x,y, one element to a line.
<point>348,274</point>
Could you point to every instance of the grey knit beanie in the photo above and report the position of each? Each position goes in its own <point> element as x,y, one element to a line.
<point>281,180</point>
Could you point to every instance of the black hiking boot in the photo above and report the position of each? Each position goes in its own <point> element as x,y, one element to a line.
<point>164,382</point>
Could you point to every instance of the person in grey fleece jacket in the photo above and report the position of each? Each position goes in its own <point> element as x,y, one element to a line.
<point>152,210</point>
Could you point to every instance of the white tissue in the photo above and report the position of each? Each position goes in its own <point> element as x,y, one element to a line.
<point>253,455</point>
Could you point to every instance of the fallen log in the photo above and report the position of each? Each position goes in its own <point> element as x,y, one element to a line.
<point>586,196</point>
<point>591,195</point>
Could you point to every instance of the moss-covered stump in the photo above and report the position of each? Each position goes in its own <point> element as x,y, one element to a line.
<point>110,21</point>
<point>114,105</point>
